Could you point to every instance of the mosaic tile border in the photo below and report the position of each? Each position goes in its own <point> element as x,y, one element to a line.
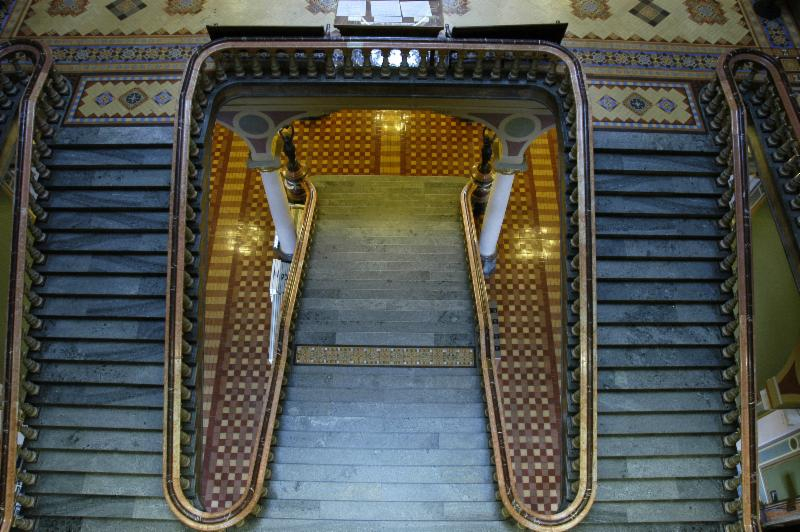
<point>429,357</point>
<point>72,117</point>
<point>686,87</point>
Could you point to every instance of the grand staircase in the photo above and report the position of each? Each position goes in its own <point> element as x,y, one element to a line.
<point>363,448</point>
<point>382,448</point>
<point>101,381</point>
<point>660,357</point>
<point>387,266</point>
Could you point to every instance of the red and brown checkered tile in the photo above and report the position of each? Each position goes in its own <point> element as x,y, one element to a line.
<point>526,287</point>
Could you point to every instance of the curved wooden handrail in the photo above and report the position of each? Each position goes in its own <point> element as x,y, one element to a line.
<point>42,60</point>
<point>177,500</point>
<point>747,388</point>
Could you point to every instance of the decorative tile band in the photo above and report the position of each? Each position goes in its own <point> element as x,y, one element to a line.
<point>645,59</point>
<point>385,356</point>
<point>136,99</point>
<point>651,105</point>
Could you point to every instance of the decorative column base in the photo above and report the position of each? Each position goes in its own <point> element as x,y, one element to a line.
<point>293,179</point>
<point>281,255</point>
<point>483,183</point>
<point>489,264</point>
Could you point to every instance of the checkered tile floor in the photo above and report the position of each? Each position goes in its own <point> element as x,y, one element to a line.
<point>526,286</point>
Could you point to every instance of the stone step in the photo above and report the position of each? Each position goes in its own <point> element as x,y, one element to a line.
<point>272,523</point>
<point>661,379</point>
<point>379,324</point>
<point>622,401</point>
<point>139,265</point>
<point>137,485</point>
<point>627,184</point>
<point>106,222</point>
<point>400,318</point>
<point>654,513</point>
<point>624,225</point>
<point>93,373</point>
<point>115,463</point>
<point>374,275</point>
<point>93,136</point>
<point>412,382</point>
<point>90,350</point>
<point>389,395</point>
<point>383,425</point>
<point>388,511</point>
<point>119,395</point>
<point>662,489</point>
<point>374,491</point>
<point>382,473</point>
<point>85,241</point>
<point>101,307</point>
<point>676,143</point>
<point>668,335</point>
<point>420,296</point>
<point>103,200</point>
<point>98,440</point>
<point>675,291</point>
<point>142,509</point>
<point>353,305</point>
<point>380,457</point>
<point>657,270</point>
<point>689,249</point>
<point>688,467</point>
<point>384,339</point>
<point>657,423</point>
<point>660,357</point>
<point>102,285</point>
<point>663,206</point>
<point>111,157</point>
<point>102,329</point>
<point>381,440</point>
<point>661,313</point>
<point>655,164</point>
<point>93,418</point>
<point>661,445</point>
<point>110,179</point>
<point>348,268</point>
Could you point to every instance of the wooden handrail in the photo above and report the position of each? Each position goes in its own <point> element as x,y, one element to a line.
<point>42,61</point>
<point>238,49</point>
<point>747,390</point>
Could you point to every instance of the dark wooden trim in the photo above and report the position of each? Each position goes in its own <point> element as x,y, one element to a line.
<point>42,61</point>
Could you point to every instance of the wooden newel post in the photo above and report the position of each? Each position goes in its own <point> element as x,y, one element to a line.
<point>294,173</point>
<point>483,174</point>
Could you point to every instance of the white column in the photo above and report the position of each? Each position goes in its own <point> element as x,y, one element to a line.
<point>493,219</point>
<point>279,209</point>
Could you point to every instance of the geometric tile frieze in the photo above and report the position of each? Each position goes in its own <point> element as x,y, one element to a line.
<point>385,356</point>
<point>653,105</point>
<point>124,99</point>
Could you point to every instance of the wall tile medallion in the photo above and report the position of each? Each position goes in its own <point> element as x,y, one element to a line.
<point>653,105</point>
<point>118,99</point>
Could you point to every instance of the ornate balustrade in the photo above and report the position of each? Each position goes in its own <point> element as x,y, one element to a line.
<point>26,75</point>
<point>234,64</point>
<point>774,115</point>
<point>739,73</point>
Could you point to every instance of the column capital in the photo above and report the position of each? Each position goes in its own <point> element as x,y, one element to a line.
<point>266,165</point>
<point>508,166</point>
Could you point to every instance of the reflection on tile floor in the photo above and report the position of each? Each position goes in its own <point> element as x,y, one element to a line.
<point>527,289</point>
<point>526,286</point>
<point>236,321</point>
